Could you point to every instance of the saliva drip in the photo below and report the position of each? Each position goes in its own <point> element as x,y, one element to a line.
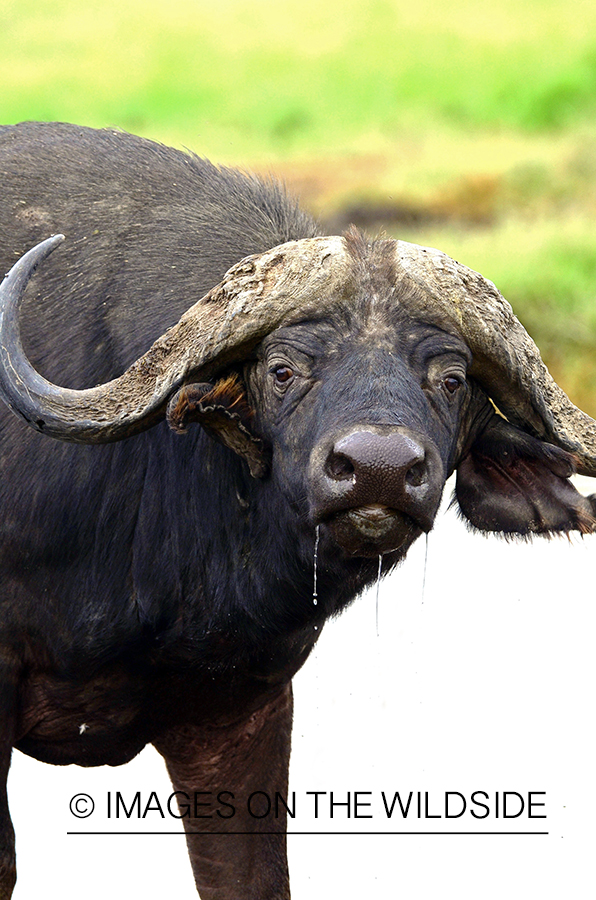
<point>377,594</point>
<point>315,596</point>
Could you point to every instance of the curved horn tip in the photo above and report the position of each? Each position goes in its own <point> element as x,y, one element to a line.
<point>29,261</point>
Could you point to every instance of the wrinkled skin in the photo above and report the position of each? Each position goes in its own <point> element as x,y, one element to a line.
<point>344,385</point>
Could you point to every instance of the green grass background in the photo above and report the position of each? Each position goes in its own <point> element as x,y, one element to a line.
<point>477,118</point>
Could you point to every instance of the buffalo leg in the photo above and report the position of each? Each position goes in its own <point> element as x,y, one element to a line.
<point>237,848</point>
<point>8,872</point>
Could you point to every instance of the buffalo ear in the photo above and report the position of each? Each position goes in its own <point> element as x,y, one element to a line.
<point>516,484</point>
<point>222,410</point>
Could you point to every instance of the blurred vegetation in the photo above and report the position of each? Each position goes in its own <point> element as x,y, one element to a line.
<point>467,126</point>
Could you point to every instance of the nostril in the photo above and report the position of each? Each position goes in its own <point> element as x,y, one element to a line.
<point>417,474</point>
<point>339,467</point>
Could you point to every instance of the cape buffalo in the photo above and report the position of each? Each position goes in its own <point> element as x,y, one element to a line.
<point>159,579</point>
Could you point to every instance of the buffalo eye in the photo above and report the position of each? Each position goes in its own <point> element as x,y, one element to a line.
<point>283,375</point>
<point>451,384</point>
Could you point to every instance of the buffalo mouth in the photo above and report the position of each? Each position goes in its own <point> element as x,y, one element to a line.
<point>372,530</point>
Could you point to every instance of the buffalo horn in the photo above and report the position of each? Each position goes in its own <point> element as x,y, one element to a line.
<point>285,284</point>
<point>260,293</point>
<point>506,361</point>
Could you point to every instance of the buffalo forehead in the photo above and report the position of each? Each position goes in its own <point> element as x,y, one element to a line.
<point>356,326</point>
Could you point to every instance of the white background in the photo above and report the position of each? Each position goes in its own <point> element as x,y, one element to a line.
<point>484,682</point>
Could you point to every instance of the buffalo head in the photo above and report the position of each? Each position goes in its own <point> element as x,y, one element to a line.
<point>354,378</point>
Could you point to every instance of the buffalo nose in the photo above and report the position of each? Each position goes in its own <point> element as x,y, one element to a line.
<point>393,469</point>
<point>363,457</point>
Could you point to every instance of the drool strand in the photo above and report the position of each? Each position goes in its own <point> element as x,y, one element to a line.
<point>315,596</point>
<point>377,595</point>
